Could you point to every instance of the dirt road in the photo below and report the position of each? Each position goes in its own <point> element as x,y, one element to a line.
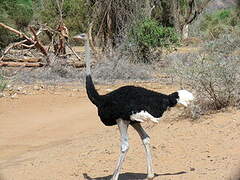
<point>57,136</point>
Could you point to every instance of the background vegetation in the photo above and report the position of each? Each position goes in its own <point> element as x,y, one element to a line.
<point>74,14</point>
<point>219,22</point>
<point>17,14</point>
<point>140,32</point>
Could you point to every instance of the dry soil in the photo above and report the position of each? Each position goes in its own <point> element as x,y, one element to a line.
<point>56,135</point>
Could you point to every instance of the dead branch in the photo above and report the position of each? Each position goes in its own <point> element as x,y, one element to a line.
<point>28,46</point>
<point>21,34</point>
<point>62,31</point>
<point>91,39</point>
<point>27,59</point>
<point>78,64</point>
<point>37,43</point>
<point>78,57</point>
<point>34,41</point>
<point>60,7</point>
<point>11,29</point>
<point>9,47</point>
<point>20,64</point>
<point>103,19</point>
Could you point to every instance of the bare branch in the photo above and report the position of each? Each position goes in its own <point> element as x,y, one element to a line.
<point>60,7</point>
<point>21,34</point>
<point>9,47</point>
<point>37,43</point>
<point>90,38</point>
<point>78,57</point>
<point>21,64</point>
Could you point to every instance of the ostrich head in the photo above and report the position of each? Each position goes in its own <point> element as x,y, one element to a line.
<point>185,97</point>
<point>82,36</point>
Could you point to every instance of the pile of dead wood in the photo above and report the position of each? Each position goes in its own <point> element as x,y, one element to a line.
<point>20,62</point>
<point>59,42</point>
<point>27,42</point>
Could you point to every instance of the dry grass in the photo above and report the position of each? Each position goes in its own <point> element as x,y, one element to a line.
<point>105,70</point>
<point>212,73</point>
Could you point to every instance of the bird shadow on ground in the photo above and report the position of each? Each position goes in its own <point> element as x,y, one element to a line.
<point>131,176</point>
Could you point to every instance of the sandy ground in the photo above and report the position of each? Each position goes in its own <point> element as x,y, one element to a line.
<point>56,135</point>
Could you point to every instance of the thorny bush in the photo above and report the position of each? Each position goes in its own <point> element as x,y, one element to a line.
<point>213,74</point>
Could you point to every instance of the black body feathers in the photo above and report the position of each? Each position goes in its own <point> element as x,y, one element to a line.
<point>128,100</point>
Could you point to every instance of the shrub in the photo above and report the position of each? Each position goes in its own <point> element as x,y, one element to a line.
<point>148,34</point>
<point>118,68</point>
<point>19,11</point>
<point>220,22</point>
<point>213,78</point>
<point>226,44</point>
<point>5,36</point>
<point>213,74</point>
<point>151,34</point>
<point>17,14</point>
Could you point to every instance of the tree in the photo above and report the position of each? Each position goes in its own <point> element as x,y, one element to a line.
<point>162,13</point>
<point>74,14</point>
<point>185,12</point>
<point>238,5</point>
<point>111,18</point>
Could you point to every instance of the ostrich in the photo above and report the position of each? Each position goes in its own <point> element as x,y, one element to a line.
<point>130,105</point>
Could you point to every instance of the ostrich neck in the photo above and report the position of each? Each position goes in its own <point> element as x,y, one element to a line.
<point>87,57</point>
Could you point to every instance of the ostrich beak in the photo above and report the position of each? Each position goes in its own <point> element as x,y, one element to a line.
<point>80,36</point>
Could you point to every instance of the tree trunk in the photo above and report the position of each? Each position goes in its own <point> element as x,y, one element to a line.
<point>185,31</point>
<point>148,10</point>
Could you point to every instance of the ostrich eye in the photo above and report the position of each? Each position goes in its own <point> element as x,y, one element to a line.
<point>83,35</point>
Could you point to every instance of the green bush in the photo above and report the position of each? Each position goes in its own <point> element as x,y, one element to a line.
<point>22,15</point>
<point>147,35</point>
<point>5,36</point>
<point>19,12</point>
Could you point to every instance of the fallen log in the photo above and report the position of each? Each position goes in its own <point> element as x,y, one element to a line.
<point>28,59</point>
<point>78,64</point>
<point>20,64</point>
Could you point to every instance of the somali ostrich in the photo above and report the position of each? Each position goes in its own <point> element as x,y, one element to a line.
<point>130,105</point>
